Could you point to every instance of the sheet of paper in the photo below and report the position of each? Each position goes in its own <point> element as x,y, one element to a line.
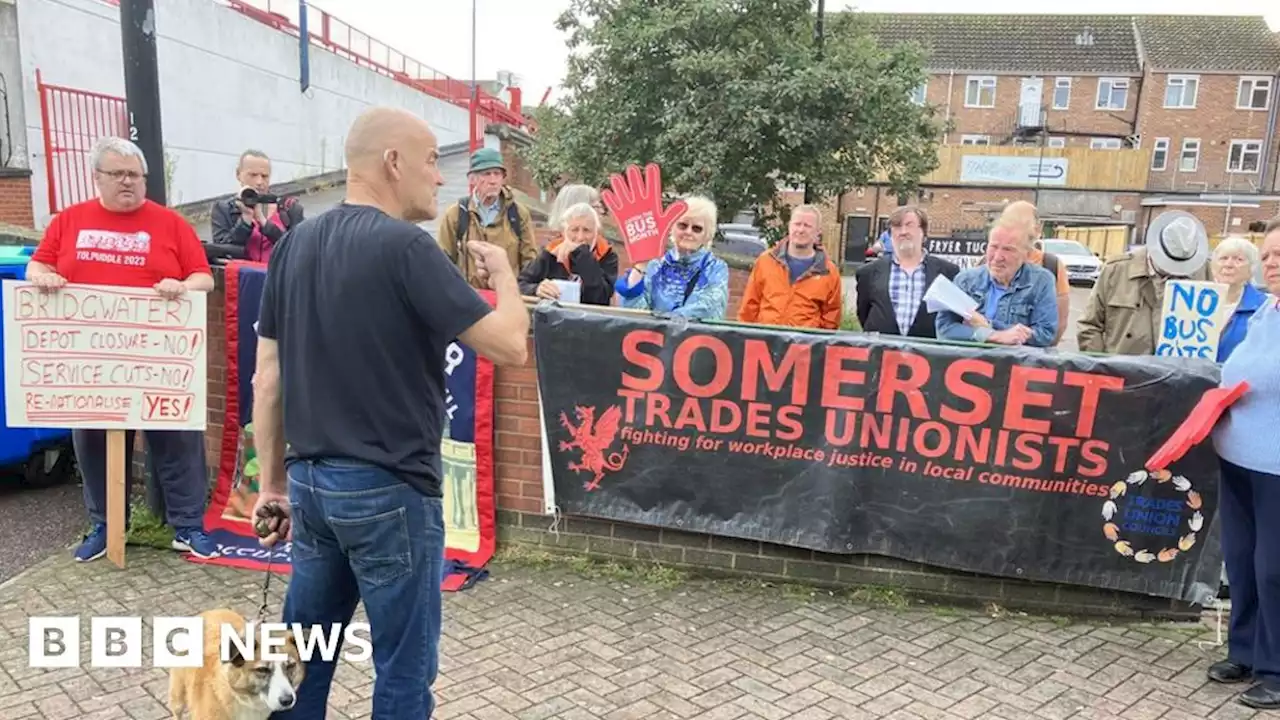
<point>945,295</point>
<point>570,290</point>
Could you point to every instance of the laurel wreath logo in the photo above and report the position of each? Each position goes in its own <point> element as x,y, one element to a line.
<point>1125,547</point>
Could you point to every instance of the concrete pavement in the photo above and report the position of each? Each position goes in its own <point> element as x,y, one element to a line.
<point>545,639</point>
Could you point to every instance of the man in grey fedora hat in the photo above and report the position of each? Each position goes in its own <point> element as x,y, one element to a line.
<point>1122,316</point>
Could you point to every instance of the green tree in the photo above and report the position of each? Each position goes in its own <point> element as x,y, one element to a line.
<point>730,98</point>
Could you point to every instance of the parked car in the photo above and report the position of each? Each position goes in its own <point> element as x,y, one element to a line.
<point>1083,265</point>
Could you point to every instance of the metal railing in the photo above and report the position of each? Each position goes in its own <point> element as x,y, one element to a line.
<point>346,41</point>
<point>72,121</point>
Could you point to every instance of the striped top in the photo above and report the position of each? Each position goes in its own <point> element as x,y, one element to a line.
<point>1246,434</point>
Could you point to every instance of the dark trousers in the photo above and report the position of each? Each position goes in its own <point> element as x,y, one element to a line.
<point>362,534</point>
<point>177,460</point>
<point>1250,511</point>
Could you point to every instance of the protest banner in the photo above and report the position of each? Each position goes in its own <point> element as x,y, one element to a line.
<point>105,358</point>
<point>1001,461</point>
<point>467,450</point>
<point>1195,312</point>
<point>636,204</point>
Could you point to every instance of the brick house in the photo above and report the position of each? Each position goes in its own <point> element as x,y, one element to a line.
<point>1139,112</point>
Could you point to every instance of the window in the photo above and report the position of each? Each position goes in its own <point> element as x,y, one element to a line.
<point>1254,93</point>
<point>1190,158</point>
<point>1180,92</point>
<point>980,92</point>
<point>1104,143</point>
<point>917,95</point>
<point>1245,156</point>
<point>975,139</point>
<point>1160,154</point>
<point>1113,93</point>
<point>1057,142</point>
<point>1061,93</point>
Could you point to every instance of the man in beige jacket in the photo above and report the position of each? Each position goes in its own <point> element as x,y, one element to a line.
<point>1124,311</point>
<point>490,214</point>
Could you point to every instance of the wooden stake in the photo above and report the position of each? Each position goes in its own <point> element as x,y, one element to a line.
<point>115,497</point>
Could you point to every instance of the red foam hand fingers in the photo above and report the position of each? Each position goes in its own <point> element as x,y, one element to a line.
<point>1197,426</point>
<point>636,202</point>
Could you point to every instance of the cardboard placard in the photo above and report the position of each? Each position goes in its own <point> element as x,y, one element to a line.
<point>104,357</point>
<point>1195,312</point>
<point>636,203</point>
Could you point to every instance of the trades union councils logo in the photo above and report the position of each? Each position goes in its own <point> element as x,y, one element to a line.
<point>594,438</point>
<point>1149,528</point>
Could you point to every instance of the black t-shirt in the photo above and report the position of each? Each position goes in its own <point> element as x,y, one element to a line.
<point>363,307</point>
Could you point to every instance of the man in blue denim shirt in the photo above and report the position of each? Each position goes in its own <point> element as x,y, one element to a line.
<point>1017,304</point>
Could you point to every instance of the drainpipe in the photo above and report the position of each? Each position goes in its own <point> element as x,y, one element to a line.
<point>951,77</point>
<point>1270,187</point>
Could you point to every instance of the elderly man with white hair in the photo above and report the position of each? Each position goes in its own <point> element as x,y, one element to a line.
<point>1123,314</point>
<point>579,256</point>
<point>122,238</point>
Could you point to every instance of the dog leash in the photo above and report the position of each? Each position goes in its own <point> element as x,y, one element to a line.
<point>266,513</point>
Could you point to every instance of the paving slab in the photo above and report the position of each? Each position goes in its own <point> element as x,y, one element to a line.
<point>548,641</point>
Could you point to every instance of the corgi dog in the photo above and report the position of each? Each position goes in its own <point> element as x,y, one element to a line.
<point>239,689</point>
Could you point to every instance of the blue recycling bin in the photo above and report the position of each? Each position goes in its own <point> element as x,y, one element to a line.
<point>44,456</point>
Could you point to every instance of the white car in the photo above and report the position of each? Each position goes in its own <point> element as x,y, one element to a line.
<point>1083,266</point>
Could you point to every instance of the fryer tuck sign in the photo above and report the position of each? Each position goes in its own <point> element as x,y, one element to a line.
<point>109,358</point>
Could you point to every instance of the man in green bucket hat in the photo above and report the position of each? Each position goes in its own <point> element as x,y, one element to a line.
<point>491,214</point>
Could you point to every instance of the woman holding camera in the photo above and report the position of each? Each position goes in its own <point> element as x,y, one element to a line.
<point>253,219</point>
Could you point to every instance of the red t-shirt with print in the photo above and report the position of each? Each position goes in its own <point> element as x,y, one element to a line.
<point>90,245</point>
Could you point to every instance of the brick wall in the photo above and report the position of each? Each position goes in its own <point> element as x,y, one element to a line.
<point>15,197</point>
<point>1214,121</point>
<point>1000,121</point>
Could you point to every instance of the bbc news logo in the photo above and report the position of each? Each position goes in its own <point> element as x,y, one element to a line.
<point>117,642</point>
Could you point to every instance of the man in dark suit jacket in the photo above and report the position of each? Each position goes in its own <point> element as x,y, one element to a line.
<point>891,289</point>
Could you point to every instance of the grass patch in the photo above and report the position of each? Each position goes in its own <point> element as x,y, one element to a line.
<point>147,530</point>
<point>849,322</point>
<point>627,571</point>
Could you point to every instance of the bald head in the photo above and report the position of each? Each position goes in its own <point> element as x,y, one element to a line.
<point>392,159</point>
<point>379,129</point>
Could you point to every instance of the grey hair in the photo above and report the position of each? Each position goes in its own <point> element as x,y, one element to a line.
<point>119,146</point>
<point>1236,244</point>
<point>569,196</point>
<point>248,154</point>
<point>580,210</point>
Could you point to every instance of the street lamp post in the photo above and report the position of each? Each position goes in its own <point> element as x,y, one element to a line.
<point>817,41</point>
<point>473,106</point>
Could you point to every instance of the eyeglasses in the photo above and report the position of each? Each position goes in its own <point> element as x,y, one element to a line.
<point>683,225</point>
<point>119,175</point>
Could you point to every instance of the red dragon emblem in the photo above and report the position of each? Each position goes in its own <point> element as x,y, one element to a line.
<point>594,437</point>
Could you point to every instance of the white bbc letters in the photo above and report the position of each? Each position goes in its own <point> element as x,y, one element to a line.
<point>177,642</point>
<point>53,642</point>
<point>115,642</point>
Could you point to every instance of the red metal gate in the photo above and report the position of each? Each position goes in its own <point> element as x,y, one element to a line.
<point>73,120</point>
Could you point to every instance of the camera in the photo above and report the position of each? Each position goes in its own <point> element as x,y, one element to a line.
<point>251,197</point>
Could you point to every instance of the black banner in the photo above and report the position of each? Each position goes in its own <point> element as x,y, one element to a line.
<point>965,252</point>
<point>999,461</point>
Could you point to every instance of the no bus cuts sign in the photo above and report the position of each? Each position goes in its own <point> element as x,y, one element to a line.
<point>104,357</point>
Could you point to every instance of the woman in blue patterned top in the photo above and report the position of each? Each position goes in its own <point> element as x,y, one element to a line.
<point>688,280</point>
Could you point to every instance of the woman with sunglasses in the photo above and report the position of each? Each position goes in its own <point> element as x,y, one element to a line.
<point>688,281</point>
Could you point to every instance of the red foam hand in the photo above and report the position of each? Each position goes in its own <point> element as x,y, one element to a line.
<point>1197,426</point>
<point>637,204</point>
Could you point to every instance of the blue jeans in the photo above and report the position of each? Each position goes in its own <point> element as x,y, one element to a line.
<point>1250,502</point>
<point>361,533</point>
<point>177,459</point>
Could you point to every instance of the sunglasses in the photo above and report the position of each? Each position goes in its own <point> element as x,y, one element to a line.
<point>684,225</point>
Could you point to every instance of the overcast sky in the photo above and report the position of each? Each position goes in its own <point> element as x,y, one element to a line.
<point>520,35</point>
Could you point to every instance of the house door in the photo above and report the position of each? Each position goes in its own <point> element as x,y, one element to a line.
<point>857,232</point>
<point>1030,101</point>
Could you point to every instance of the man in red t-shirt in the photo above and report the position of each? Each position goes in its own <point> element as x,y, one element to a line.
<point>121,238</point>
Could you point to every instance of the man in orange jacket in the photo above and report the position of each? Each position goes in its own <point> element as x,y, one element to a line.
<point>795,284</point>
